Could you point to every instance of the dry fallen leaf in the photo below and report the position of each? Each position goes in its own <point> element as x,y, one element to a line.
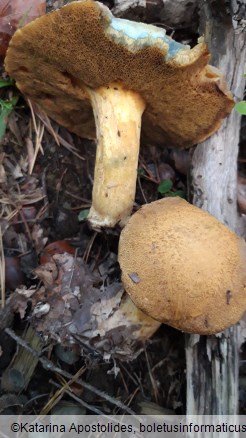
<point>26,292</point>
<point>38,239</point>
<point>15,14</point>
<point>19,304</point>
<point>47,273</point>
<point>74,304</point>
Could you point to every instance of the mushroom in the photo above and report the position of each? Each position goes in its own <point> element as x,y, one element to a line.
<point>190,267</point>
<point>81,60</point>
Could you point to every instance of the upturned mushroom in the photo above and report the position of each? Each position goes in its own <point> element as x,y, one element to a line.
<point>183,267</point>
<point>80,60</point>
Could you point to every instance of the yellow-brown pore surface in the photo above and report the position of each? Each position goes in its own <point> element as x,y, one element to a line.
<point>183,267</point>
<point>52,57</point>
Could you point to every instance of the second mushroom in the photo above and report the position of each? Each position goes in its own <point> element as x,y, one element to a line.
<point>97,75</point>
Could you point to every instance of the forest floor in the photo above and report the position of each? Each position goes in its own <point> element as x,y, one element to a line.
<point>46,177</point>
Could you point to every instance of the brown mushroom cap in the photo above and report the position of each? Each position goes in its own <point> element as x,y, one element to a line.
<point>55,56</point>
<point>183,267</point>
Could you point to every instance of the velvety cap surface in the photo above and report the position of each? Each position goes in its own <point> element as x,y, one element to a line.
<point>183,267</point>
<point>53,57</point>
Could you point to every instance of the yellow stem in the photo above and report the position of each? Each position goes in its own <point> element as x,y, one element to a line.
<point>117,113</point>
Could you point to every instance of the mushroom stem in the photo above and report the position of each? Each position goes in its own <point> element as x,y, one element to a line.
<point>117,113</point>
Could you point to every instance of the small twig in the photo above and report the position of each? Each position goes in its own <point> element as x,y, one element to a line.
<point>59,394</point>
<point>78,197</point>
<point>159,364</point>
<point>49,366</point>
<point>73,267</point>
<point>123,381</point>
<point>37,397</point>
<point>58,138</point>
<point>59,184</point>
<point>88,249</point>
<point>43,212</point>
<point>46,121</point>
<point>141,189</point>
<point>130,375</point>
<point>131,397</point>
<point>79,400</point>
<point>153,382</point>
<point>97,411</point>
<point>88,172</point>
<point>24,221</point>
<point>80,207</point>
<point>39,131</point>
<point>149,174</point>
<point>92,350</point>
<point>33,115</point>
<point>44,190</point>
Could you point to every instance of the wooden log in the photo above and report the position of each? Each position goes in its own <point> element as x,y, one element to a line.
<point>212,362</point>
<point>18,374</point>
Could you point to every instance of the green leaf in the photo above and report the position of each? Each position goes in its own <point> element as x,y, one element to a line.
<point>6,107</point>
<point>6,82</point>
<point>83,214</point>
<point>241,107</point>
<point>165,186</point>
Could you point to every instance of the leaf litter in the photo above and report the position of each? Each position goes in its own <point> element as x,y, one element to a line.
<point>15,14</point>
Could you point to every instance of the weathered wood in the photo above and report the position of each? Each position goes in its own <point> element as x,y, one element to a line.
<point>18,374</point>
<point>174,14</point>
<point>212,362</point>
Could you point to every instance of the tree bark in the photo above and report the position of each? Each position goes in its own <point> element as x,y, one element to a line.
<point>212,362</point>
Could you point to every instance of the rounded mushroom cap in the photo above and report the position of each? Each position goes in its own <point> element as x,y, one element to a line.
<point>183,267</point>
<point>54,58</point>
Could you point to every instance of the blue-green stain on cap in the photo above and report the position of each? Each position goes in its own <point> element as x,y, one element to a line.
<point>145,34</point>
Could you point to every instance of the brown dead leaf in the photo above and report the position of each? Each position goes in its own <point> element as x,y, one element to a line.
<point>74,304</point>
<point>23,290</point>
<point>47,273</point>
<point>15,14</point>
<point>38,239</point>
<point>19,304</point>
